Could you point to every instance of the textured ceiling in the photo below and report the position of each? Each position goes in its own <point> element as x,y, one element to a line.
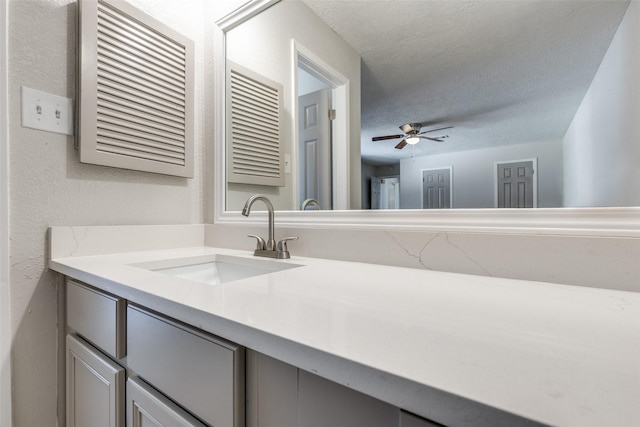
<point>500,72</point>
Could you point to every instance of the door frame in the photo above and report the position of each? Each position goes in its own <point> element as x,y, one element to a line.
<point>5,304</point>
<point>534,161</point>
<point>340,159</point>
<point>422,171</point>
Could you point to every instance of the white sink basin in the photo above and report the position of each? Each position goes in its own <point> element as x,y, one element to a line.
<point>216,268</point>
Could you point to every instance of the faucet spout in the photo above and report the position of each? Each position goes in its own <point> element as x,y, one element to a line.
<point>310,202</point>
<point>271,243</point>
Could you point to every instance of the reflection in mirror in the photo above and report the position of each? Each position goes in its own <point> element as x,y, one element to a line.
<point>538,98</point>
<point>319,72</point>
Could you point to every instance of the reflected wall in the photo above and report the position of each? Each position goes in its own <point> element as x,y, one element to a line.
<point>602,145</point>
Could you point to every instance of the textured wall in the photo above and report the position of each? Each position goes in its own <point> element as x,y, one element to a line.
<point>48,186</point>
<point>5,326</point>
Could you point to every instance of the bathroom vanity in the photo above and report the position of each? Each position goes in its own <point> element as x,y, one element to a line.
<point>311,342</point>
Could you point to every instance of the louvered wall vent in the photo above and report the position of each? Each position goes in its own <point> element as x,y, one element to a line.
<point>255,153</point>
<point>135,91</point>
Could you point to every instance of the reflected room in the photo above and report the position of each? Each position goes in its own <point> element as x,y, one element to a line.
<point>449,105</point>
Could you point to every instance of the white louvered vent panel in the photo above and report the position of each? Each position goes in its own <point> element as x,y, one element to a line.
<point>255,145</point>
<point>134,60</point>
<point>141,92</point>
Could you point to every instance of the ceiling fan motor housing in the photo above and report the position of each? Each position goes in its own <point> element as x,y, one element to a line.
<point>411,128</point>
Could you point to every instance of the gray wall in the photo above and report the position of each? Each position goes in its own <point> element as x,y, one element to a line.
<point>48,186</point>
<point>605,133</point>
<point>473,174</point>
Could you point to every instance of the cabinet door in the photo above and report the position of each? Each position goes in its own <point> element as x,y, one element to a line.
<point>95,387</point>
<point>146,407</point>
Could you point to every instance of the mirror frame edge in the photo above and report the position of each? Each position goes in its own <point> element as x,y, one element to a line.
<point>605,221</point>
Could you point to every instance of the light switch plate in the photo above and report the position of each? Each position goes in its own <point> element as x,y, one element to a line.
<point>287,163</point>
<point>44,111</point>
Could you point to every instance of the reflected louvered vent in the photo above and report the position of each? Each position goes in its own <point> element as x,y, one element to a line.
<point>143,91</point>
<point>254,129</point>
<point>141,87</point>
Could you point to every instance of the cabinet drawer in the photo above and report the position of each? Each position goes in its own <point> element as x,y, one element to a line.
<point>203,373</point>
<point>98,317</point>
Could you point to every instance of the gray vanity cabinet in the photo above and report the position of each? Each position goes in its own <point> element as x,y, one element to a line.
<point>95,387</point>
<point>325,403</point>
<point>98,317</point>
<point>177,375</point>
<point>95,384</point>
<point>410,420</point>
<point>281,395</point>
<point>147,407</point>
<point>203,373</point>
<point>181,376</point>
<point>272,392</point>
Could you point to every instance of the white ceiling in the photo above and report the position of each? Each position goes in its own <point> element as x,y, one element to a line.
<point>500,72</point>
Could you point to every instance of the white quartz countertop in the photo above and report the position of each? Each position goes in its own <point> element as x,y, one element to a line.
<point>460,349</point>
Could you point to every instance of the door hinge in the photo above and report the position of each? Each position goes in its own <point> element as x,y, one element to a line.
<point>332,114</point>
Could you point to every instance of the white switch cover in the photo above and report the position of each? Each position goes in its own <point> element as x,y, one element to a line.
<point>287,163</point>
<point>44,111</point>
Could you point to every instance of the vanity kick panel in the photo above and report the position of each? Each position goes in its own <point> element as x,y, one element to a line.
<point>200,372</point>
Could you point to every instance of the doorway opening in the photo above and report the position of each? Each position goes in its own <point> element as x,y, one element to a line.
<point>385,193</point>
<point>321,166</point>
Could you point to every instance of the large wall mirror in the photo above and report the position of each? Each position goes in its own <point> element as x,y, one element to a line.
<point>440,105</point>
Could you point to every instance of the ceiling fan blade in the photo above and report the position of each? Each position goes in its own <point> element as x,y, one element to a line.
<point>431,139</point>
<point>435,130</point>
<point>384,138</point>
<point>401,145</point>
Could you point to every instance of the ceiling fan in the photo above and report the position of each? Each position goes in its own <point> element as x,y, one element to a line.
<point>412,135</point>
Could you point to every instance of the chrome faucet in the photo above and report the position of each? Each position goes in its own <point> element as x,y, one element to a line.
<point>267,248</point>
<point>271,243</point>
<point>310,202</point>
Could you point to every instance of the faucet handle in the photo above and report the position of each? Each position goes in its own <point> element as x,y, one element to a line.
<point>260,243</point>
<point>283,251</point>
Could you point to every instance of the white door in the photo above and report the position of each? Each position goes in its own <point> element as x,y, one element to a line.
<point>516,185</point>
<point>436,189</point>
<point>314,148</point>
